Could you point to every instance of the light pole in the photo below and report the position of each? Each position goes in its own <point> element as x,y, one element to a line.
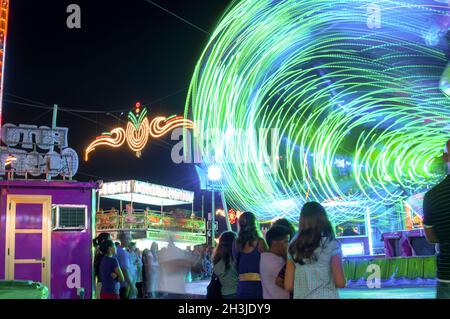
<point>225,209</point>
<point>214,175</point>
<point>213,219</point>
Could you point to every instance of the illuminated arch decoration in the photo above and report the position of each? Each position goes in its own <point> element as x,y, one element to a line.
<point>362,121</point>
<point>138,131</point>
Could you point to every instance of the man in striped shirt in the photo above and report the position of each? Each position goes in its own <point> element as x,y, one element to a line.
<point>436,209</point>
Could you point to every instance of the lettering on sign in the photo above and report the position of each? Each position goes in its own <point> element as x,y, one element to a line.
<point>25,147</point>
<point>148,189</point>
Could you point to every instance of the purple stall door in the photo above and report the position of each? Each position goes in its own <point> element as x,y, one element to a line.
<point>28,238</point>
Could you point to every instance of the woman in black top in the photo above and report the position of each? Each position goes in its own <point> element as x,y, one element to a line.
<point>98,258</point>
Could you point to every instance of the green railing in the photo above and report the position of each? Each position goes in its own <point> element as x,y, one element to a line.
<point>148,220</point>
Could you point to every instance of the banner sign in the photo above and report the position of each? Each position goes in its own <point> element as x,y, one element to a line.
<point>146,189</point>
<point>24,143</point>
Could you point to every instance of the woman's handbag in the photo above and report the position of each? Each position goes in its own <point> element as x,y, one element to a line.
<point>213,291</point>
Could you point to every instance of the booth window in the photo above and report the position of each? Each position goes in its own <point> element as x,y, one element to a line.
<point>69,217</point>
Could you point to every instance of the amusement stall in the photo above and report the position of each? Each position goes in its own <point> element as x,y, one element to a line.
<point>159,218</point>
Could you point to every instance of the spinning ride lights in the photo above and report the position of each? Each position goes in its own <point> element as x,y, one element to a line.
<point>359,116</point>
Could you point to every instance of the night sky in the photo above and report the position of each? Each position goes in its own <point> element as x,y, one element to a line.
<point>125,51</point>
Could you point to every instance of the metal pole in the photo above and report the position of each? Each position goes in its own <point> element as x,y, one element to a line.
<point>131,198</point>
<point>98,202</point>
<point>93,235</point>
<point>55,113</point>
<point>225,209</point>
<point>213,220</point>
<point>369,230</point>
<point>203,206</point>
<point>52,148</point>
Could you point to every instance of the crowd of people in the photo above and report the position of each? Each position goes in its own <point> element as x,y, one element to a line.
<point>285,264</point>
<point>122,271</point>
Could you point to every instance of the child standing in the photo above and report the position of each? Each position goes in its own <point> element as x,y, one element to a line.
<point>273,261</point>
<point>314,268</point>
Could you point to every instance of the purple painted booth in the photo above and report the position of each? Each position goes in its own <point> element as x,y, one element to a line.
<point>46,231</point>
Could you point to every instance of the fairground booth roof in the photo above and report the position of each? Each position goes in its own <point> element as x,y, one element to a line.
<point>146,193</point>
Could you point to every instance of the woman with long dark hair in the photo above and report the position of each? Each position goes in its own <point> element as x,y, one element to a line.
<point>224,265</point>
<point>314,268</point>
<point>247,252</point>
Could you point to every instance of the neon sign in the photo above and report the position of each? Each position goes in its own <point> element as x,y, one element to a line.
<point>138,131</point>
<point>21,151</point>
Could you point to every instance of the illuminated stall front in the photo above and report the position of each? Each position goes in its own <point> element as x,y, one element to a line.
<point>150,225</point>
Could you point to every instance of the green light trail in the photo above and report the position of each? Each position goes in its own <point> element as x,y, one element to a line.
<point>359,113</point>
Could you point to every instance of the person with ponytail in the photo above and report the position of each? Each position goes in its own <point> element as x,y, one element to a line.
<point>98,258</point>
<point>110,273</point>
<point>224,265</point>
<point>314,268</point>
<point>247,253</point>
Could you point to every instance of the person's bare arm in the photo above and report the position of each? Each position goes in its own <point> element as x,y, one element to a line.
<point>338,271</point>
<point>279,282</point>
<point>126,276</point>
<point>428,220</point>
<point>289,276</point>
<point>119,274</point>
<point>262,246</point>
<point>431,235</point>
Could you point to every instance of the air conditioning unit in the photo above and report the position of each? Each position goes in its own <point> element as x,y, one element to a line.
<point>69,217</point>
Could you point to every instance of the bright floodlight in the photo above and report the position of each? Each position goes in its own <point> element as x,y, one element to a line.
<point>214,173</point>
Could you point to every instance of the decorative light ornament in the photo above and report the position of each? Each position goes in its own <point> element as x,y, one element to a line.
<point>232,216</point>
<point>138,131</point>
<point>335,88</point>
